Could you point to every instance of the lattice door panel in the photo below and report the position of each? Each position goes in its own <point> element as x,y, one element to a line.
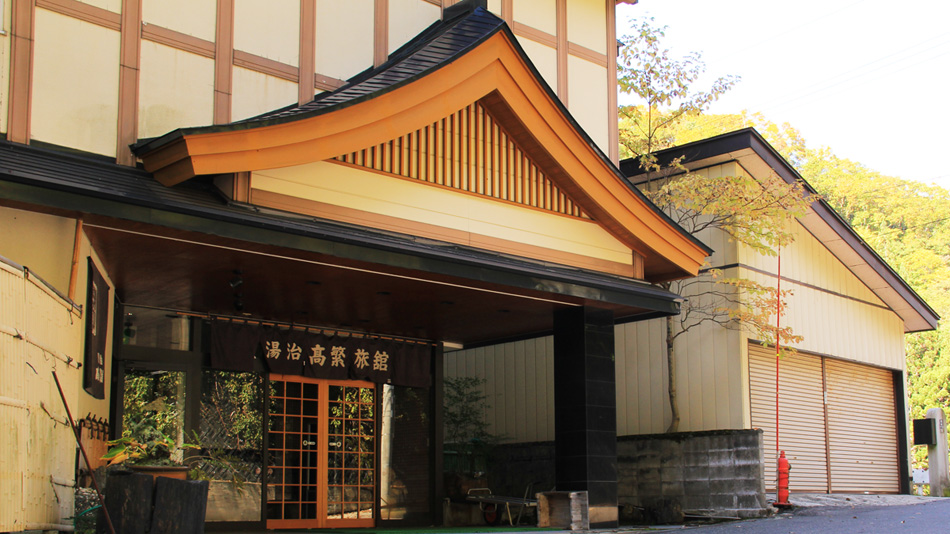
<point>321,453</point>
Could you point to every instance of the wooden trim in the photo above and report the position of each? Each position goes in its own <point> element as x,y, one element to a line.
<point>326,83</point>
<point>583,52</point>
<point>266,66</point>
<point>824,406</point>
<point>19,107</point>
<point>242,187</point>
<point>519,178</point>
<point>437,3</point>
<point>613,119</point>
<point>308,51</point>
<point>129,59</point>
<point>809,286</point>
<point>404,226</point>
<point>223,61</point>
<point>178,40</point>
<point>638,264</point>
<point>562,51</point>
<point>381,32</point>
<point>84,12</point>
<point>508,11</point>
<point>528,32</point>
<point>74,267</point>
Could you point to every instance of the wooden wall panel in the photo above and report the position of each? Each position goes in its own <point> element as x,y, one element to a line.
<point>468,151</point>
<point>37,464</point>
<point>835,325</point>
<point>518,386</point>
<point>87,119</point>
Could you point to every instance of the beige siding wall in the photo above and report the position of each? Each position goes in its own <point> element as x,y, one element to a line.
<point>544,59</point>
<point>279,21</point>
<point>22,230</point>
<point>75,88</point>
<point>408,200</point>
<point>519,386</point>
<point>839,326</point>
<point>407,18</point>
<point>344,26</point>
<point>587,87</point>
<point>538,14</point>
<point>255,93</point>
<point>587,21</point>
<point>176,90</point>
<point>37,328</point>
<point>186,16</point>
<point>53,263</point>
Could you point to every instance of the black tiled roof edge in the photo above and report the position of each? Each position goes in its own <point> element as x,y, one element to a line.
<point>87,177</point>
<point>437,46</point>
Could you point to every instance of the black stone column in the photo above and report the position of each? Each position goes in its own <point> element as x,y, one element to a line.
<point>585,409</point>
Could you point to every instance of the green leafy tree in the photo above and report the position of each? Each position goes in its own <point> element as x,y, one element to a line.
<point>757,213</point>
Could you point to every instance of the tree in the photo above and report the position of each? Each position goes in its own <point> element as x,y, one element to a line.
<point>756,213</point>
<point>664,85</point>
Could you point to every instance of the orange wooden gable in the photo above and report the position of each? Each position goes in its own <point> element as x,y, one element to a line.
<point>468,151</point>
<point>494,81</point>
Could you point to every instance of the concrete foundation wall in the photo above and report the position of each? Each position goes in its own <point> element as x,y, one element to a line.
<point>717,473</point>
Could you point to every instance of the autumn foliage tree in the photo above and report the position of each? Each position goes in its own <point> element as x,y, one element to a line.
<point>757,213</point>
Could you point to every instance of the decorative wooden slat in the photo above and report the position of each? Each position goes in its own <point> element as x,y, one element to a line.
<point>470,152</point>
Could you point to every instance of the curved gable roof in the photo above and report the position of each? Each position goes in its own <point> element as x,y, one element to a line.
<point>471,57</point>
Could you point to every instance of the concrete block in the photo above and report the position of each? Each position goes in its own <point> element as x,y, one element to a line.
<point>672,474</point>
<point>697,473</point>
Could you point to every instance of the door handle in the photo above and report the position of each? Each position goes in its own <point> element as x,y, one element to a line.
<point>308,443</point>
<point>335,444</point>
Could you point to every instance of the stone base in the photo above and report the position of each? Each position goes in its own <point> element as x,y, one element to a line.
<point>715,473</point>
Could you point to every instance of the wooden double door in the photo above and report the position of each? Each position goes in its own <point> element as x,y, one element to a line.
<point>321,452</point>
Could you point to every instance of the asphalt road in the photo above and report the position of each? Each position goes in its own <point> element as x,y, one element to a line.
<point>929,518</point>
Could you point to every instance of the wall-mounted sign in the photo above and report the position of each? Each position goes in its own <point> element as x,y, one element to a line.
<point>235,346</point>
<point>97,325</point>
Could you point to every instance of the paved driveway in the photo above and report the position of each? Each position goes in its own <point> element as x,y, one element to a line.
<point>932,516</point>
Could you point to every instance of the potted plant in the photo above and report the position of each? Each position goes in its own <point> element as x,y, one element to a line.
<point>147,449</point>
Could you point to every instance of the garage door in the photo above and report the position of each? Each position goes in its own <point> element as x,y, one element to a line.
<point>801,423</point>
<point>861,430</point>
<point>850,447</point>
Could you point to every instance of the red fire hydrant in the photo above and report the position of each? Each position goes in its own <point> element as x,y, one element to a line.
<point>783,469</point>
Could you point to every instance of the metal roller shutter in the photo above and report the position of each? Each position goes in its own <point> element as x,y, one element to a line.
<point>802,420</point>
<point>862,428</point>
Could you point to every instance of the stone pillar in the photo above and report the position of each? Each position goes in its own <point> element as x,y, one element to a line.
<point>585,409</point>
<point>937,456</point>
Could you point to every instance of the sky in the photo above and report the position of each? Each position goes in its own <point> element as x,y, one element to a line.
<point>867,78</point>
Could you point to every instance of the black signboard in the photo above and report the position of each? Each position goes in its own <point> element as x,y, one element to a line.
<point>316,354</point>
<point>97,323</point>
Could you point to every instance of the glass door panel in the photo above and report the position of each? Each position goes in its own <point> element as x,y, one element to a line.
<point>315,482</point>
<point>351,444</point>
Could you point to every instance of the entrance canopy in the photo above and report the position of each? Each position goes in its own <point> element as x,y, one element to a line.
<point>187,248</point>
